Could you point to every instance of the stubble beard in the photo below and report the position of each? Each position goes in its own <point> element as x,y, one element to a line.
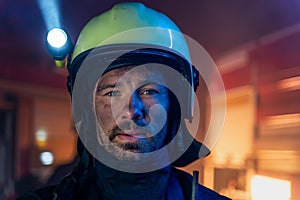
<point>132,151</point>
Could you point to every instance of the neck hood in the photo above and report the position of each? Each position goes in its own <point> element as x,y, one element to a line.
<point>116,184</point>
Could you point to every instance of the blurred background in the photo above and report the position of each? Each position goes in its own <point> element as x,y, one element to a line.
<point>256,46</point>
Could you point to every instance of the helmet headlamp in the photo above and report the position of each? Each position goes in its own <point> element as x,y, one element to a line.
<point>58,44</point>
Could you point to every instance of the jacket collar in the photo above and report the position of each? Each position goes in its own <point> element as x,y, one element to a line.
<point>116,184</point>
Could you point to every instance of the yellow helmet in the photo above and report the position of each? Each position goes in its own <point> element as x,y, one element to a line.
<point>131,23</point>
<point>133,27</point>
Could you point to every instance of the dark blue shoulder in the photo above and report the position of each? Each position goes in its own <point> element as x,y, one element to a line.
<point>45,193</point>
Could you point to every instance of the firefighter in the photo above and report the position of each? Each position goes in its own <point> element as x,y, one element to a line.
<point>132,85</point>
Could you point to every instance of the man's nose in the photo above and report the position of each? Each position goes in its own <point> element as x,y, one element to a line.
<point>135,107</point>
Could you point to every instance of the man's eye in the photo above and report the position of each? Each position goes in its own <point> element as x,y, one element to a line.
<point>150,92</point>
<point>112,93</point>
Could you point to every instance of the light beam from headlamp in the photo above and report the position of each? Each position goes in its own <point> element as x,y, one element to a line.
<point>50,11</point>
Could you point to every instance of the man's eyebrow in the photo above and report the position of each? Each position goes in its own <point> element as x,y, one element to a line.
<point>105,86</point>
<point>148,82</point>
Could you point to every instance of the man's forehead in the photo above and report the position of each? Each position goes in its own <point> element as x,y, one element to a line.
<point>145,73</point>
<point>113,74</point>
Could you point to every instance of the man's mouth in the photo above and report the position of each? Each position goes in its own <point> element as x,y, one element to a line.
<point>133,140</point>
<point>131,135</point>
<point>127,141</point>
<point>126,138</point>
<point>135,133</point>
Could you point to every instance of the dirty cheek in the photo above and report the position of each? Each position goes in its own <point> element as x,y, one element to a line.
<point>103,111</point>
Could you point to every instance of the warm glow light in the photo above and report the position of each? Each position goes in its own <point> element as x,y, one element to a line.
<point>290,84</point>
<point>41,137</point>
<point>288,119</point>
<point>263,188</point>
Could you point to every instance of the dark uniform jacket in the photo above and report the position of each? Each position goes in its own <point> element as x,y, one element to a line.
<point>103,182</point>
<point>93,180</point>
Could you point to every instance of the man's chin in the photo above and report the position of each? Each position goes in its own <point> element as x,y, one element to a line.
<point>130,147</point>
<point>123,151</point>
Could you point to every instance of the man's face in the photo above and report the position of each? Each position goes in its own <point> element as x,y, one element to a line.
<point>131,105</point>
